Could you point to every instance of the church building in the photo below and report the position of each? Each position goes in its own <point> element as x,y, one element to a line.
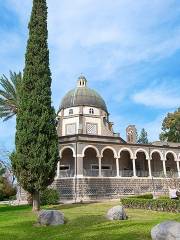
<point>96,163</point>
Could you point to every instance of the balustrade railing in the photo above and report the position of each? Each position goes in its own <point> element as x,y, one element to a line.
<point>113,173</point>
<point>66,173</point>
<point>90,173</point>
<point>126,173</point>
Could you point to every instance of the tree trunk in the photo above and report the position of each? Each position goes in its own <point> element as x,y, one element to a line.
<point>36,201</point>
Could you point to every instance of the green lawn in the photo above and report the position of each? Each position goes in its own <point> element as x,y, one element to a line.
<point>83,221</point>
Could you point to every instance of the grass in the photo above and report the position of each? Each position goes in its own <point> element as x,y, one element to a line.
<point>83,222</point>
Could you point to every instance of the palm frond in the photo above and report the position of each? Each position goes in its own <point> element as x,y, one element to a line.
<point>8,117</point>
<point>8,95</point>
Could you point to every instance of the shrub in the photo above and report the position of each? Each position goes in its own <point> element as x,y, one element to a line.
<point>152,204</point>
<point>144,196</point>
<point>163,197</point>
<point>49,196</point>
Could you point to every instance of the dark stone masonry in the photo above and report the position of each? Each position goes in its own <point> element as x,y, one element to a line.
<point>83,189</point>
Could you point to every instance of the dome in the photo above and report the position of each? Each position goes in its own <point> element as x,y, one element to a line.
<point>83,96</point>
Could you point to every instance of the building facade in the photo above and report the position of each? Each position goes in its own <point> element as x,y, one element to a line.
<point>96,163</point>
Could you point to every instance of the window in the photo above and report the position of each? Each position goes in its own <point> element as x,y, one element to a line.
<point>91,111</point>
<point>103,167</point>
<point>106,167</point>
<point>70,111</point>
<point>64,167</point>
<point>105,121</point>
<point>70,129</point>
<point>91,128</point>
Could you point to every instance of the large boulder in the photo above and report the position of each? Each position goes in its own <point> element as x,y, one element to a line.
<point>116,213</point>
<point>51,217</point>
<point>169,230</point>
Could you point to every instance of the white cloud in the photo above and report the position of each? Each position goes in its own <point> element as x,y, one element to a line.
<point>159,96</point>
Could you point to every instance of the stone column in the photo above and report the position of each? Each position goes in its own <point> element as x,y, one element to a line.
<point>164,167</point>
<point>100,174</point>
<point>149,167</point>
<point>178,168</point>
<point>79,166</point>
<point>58,170</point>
<point>117,167</point>
<point>134,167</point>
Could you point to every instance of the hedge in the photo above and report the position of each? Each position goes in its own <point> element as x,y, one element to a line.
<point>166,205</point>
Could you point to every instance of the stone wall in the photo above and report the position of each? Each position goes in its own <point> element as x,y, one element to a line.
<point>110,188</point>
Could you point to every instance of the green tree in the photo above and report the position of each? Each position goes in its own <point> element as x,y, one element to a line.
<point>8,95</point>
<point>171,127</point>
<point>36,156</point>
<point>6,187</point>
<point>143,137</point>
<point>2,172</point>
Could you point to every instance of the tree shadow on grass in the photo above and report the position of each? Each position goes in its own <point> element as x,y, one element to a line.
<point>98,227</point>
<point>67,206</point>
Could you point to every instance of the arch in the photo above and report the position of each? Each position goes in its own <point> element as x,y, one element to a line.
<point>90,146</point>
<point>142,150</point>
<point>110,148</point>
<point>173,153</point>
<point>64,148</point>
<point>125,149</point>
<point>179,157</point>
<point>158,151</point>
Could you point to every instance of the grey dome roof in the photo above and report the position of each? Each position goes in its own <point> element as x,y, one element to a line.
<point>83,96</point>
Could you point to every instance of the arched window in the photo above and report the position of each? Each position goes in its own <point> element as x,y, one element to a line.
<point>105,121</point>
<point>70,111</point>
<point>91,111</point>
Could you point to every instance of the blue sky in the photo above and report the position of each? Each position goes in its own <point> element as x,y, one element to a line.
<point>128,50</point>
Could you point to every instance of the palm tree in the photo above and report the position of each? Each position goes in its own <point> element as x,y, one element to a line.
<point>8,95</point>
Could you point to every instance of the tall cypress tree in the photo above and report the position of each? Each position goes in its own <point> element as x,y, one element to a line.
<point>36,153</point>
